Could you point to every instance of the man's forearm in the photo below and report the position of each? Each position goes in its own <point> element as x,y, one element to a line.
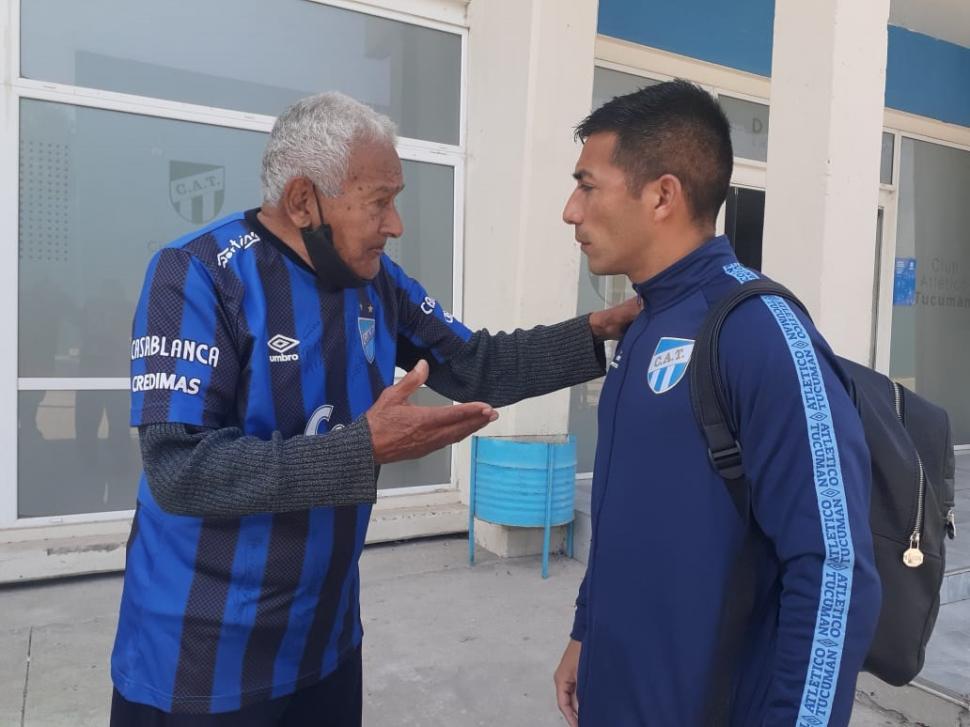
<point>504,368</point>
<point>806,680</point>
<point>221,473</point>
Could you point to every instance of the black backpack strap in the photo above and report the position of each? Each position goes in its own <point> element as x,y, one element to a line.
<point>709,403</point>
<point>707,396</point>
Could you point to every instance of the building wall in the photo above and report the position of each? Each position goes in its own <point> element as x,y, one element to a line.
<point>499,194</point>
<point>927,80</point>
<point>925,76</point>
<point>928,77</point>
<point>736,35</point>
<point>98,133</point>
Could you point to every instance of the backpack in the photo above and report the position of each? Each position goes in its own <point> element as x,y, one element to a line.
<point>911,504</point>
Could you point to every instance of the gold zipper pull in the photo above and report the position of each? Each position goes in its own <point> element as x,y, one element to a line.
<point>913,557</point>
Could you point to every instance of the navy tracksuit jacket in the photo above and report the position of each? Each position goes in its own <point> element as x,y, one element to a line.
<point>665,531</point>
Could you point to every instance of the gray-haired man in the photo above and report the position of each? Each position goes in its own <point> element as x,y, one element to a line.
<point>263,357</point>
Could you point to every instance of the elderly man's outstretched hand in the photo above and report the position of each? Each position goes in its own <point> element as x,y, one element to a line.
<point>400,430</point>
<point>610,324</point>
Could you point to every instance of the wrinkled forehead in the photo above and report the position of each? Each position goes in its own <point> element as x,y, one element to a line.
<point>372,166</point>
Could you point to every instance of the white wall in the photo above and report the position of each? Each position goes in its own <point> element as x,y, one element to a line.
<point>827,99</point>
<point>530,80</point>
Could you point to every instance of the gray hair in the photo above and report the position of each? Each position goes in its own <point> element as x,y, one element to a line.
<point>313,138</point>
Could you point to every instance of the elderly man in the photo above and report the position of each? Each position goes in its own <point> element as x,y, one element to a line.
<point>264,348</point>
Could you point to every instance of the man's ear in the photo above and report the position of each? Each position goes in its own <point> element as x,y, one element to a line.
<point>669,196</point>
<point>299,203</point>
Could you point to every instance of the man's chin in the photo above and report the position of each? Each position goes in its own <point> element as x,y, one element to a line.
<point>369,272</point>
<point>601,268</point>
<point>367,269</point>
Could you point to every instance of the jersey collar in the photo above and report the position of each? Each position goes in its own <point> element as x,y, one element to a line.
<point>686,275</point>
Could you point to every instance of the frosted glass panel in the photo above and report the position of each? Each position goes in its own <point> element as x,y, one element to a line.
<point>101,191</point>
<point>596,292</point>
<point>76,453</point>
<point>433,469</point>
<point>249,55</point>
<point>608,83</point>
<point>749,127</point>
<point>426,249</point>
<point>886,159</point>
<point>930,349</point>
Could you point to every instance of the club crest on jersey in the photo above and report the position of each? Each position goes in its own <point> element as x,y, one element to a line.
<point>367,332</point>
<point>669,363</point>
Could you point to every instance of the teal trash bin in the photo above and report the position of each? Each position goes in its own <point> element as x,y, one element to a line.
<point>523,482</point>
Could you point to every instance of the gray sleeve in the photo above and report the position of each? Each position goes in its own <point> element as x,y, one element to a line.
<point>220,472</point>
<point>503,368</point>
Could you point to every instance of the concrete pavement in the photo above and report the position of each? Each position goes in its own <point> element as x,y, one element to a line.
<point>446,645</point>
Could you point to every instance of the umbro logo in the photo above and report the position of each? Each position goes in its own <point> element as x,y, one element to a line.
<point>280,345</point>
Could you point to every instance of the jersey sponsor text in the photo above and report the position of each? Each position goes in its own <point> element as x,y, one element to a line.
<point>182,348</point>
<point>165,382</point>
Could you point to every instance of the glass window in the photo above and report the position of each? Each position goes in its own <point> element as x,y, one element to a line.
<point>886,158</point>
<point>75,453</point>
<point>876,287</point>
<point>749,120</point>
<point>434,469</point>
<point>426,249</point>
<point>101,191</point>
<point>596,292</point>
<point>749,127</point>
<point>608,83</point>
<point>744,224</point>
<point>220,53</point>
<point>930,346</point>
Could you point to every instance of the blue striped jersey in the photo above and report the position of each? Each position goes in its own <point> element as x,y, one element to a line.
<point>233,330</point>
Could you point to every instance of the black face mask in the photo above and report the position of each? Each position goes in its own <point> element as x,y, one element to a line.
<point>330,268</point>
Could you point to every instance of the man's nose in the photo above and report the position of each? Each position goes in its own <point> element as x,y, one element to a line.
<point>393,224</point>
<point>571,213</point>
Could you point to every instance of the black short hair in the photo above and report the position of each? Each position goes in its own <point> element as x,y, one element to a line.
<point>670,128</point>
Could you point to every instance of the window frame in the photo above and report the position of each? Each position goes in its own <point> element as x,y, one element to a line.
<point>449,16</point>
<point>889,201</point>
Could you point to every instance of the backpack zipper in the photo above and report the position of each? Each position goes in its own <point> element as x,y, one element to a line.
<point>913,556</point>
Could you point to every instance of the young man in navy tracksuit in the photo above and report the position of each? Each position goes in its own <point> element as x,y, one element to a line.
<point>653,173</point>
